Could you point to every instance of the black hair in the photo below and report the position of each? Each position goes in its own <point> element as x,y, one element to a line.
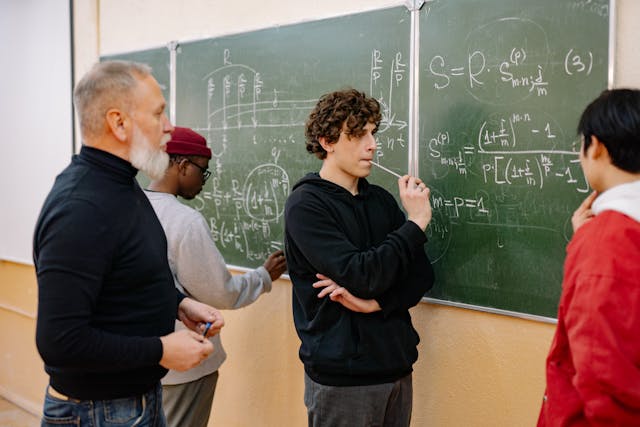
<point>614,118</point>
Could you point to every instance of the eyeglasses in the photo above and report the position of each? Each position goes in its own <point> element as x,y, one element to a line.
<point>206,173</point>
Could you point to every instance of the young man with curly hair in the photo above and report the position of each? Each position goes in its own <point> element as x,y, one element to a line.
<point>350,238</point>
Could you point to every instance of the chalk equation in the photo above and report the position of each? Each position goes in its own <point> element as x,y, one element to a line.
<point>500,100</point>
<point>507,61</point>
<point>519,149</point>
<point>519,152</point>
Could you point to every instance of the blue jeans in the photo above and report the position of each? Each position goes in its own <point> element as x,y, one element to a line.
<point>142,410</point>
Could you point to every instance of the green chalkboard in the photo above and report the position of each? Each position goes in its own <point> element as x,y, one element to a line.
<point>502,85</point>
<point>157,59</point>
<point>250,94</point>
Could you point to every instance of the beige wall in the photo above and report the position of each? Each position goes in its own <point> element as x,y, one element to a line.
<point>22,377</point>
<point>475,368</point>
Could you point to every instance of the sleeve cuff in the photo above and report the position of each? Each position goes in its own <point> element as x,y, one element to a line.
<point>388,302</point>
<point>266,279</point>
<point>415,233</point>
<point>180,296</point>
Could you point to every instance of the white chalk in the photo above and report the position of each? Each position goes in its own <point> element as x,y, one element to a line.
<point>385,169</point>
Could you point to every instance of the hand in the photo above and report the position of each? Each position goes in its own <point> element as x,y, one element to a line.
<point>414,195</point>
<point>184,349</point>
<point>276,264</point>
<point>342,296</point>
<point>584,213</point>
<point>195,315</point>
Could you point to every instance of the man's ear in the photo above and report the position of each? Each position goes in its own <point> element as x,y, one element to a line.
<point>597,149</point>
<point>182,166</point>
<point>324,144</point>
<point>117,123</point>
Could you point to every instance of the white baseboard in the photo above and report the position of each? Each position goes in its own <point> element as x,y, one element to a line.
<point>27,405</point>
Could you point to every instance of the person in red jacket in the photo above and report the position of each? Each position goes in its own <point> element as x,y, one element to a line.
<point>593,367</point>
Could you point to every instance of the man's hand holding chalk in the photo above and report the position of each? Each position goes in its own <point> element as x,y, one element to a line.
<point>414,195</point>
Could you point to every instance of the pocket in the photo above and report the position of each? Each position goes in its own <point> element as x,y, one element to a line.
<point>123,411</point>
<point>59,413</point>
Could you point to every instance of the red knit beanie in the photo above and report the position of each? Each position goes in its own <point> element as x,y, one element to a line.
<point>186,142</point>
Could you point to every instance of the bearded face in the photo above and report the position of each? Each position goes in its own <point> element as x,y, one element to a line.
<point>148,158</point>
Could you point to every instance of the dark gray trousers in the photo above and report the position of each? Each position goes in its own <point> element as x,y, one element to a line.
<point>380,405</point>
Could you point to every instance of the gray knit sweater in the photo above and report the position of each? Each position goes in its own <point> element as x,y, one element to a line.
<point>199,271</point>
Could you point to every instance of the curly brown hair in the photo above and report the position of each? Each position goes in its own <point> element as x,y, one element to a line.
<point>345,110</point>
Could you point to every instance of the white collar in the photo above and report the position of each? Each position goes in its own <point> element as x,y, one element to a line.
<point>623,198</point>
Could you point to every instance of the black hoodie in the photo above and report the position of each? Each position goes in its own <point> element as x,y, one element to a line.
<point>365,244</point>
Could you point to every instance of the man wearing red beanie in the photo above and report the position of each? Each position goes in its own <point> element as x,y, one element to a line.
<point>199,271</point>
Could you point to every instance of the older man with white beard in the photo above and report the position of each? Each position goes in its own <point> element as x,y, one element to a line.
<point>107,302</point>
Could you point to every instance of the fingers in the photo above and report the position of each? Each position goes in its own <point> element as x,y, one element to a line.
<point>338,293</point>
<point>275,264</point>
<point>213,325</point>
<point>580,218</point>
<point>585,206</point>
<point>326,291</point>
<point>584,213</point>
<point>206,348</point>
<point>217,324</point>
<point>588,201</point>
<point>277,254</point>
<point>414,195</point>
<point>322,283</point>
<point>210,329</point>
<point>331,288</point>
<point>415,188</point>
<point>409,183</point>
<point>274,259</point>
<point>184,349</point>
<point>326,283</point>
<point>207,326</point>
<point>196,336</point>
<point>422,188</point>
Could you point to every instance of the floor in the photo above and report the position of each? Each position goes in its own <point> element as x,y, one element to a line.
<point>14,416</point>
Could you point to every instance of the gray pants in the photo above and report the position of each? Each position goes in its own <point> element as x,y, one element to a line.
<point>380,405</point>
<point>189,404</point>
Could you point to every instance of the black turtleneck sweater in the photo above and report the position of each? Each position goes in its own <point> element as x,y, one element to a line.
<point>105,290</point>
